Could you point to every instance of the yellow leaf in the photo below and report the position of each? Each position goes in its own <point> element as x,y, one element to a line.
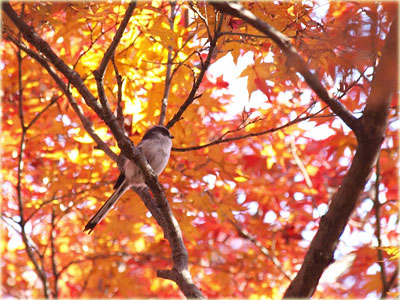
<point>240,179</point>
<point>139,245</point>
<point>268,151</point>
<point>392,251</point>
<point>270,162</point>
<point>290,11</point>
<point>85,139</point>
<point>73,155</point>
<point>311,170</point>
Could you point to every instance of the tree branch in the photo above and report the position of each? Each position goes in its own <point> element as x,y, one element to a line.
<point>87,124</point>
<point>293,58</point>
<point>162,212</point>
<point>56,274</point>
<point>192,95</point>
<point>39,271</point>
<point>110,51</point>
<point>393,278</point>
<point>107,115</point>
<point>264,250</point>
<point>221,140</point>
<point>377,207</point>
<point>371,135</point>
<point>120,114</point>
<point>168,77</point>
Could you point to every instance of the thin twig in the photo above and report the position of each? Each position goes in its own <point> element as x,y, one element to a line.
<point>168,77</point>
<point>246,35</point>
<point>87,124</point>
<point>39,271</point>
<point>299,163</point>
<point>52,101</point>
<point>293,59</point>
<point>189,100</point>
<point>53,254</point>
<point>249,135</point>
<point>377,206</point>
<point>393,278</point>
<point>264,250</point>
<point>120,113</point>
<point>110,51</point>
<point>204,19</point>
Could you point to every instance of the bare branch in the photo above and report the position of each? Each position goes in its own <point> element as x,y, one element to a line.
<point>87,124</point>
<point>183,280</point>
<point>120,114</point>
<point>53,254</point>
<point>293,58</point>
<point>264,250</point>
<point>31,36</point>
<point>110,51</point>
<point>377,207</point>
<point>204,19</point>
<point>39,270</point>
<point>53,100</point>
<point>196,85</point>
<point>393,278</point>
<point>92,41</point>
<point>168,77</point>
<point>221,140</point>
<point>108,117</point>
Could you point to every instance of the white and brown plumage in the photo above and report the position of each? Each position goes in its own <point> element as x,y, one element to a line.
<point>156,146</point>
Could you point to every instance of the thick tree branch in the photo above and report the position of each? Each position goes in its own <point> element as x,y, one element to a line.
<point>374,122</point>
<point>293,58</point>
<point>162,213</point>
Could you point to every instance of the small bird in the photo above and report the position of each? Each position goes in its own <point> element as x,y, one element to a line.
<point>156,146</point>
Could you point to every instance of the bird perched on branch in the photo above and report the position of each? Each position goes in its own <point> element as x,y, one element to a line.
<point>156,146</point>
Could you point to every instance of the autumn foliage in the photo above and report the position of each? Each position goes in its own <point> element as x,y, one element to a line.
<point>285,139</point>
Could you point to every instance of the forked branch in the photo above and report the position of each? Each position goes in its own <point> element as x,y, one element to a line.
<point>293,58</point>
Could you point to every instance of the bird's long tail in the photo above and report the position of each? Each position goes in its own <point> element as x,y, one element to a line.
<point>102,212</point>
